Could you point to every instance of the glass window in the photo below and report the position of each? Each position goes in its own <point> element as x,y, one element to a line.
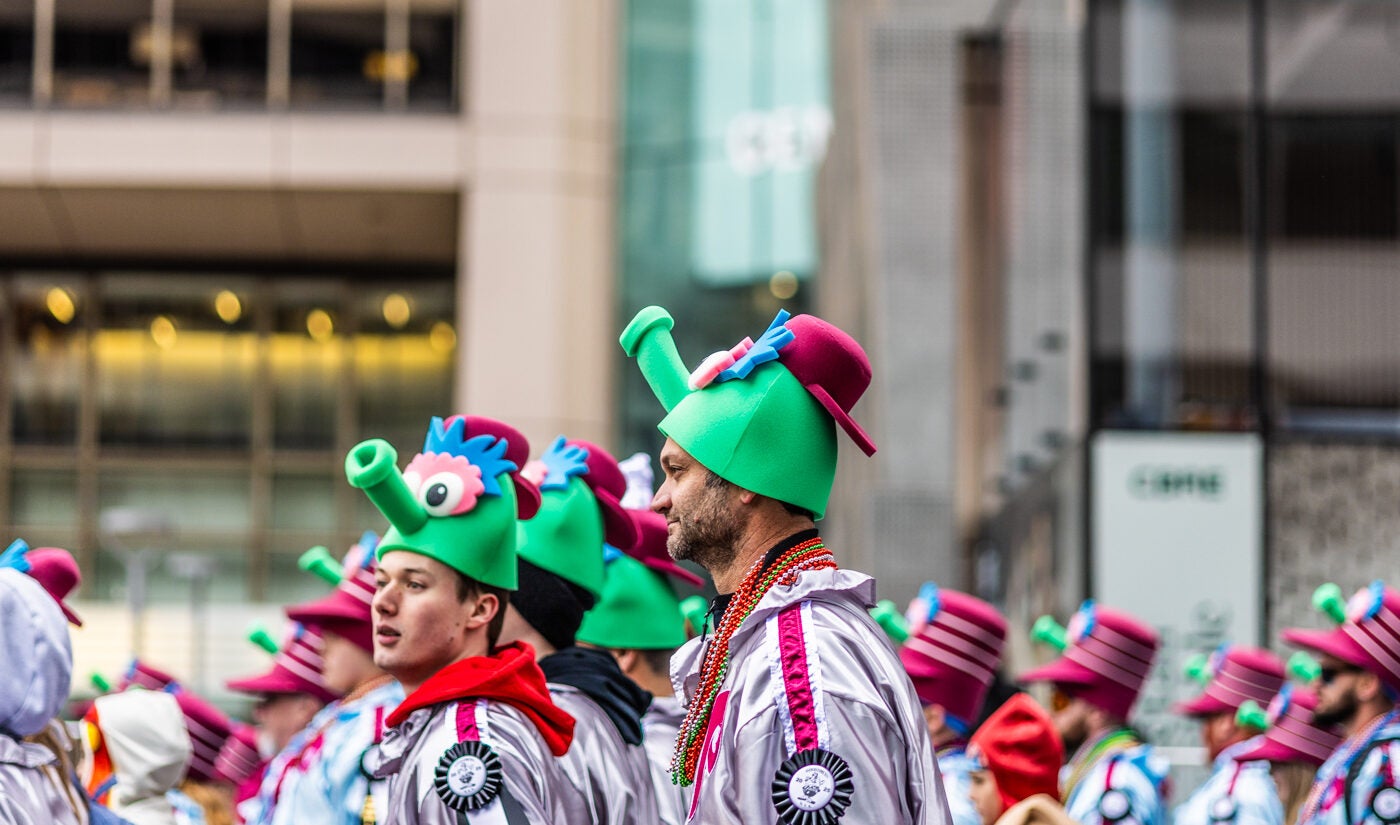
<point>176,359</point>
<point>102,53</point>
<point>404,355</point>
<point>307,354</point>
<point>50,345</point>
<point>304,502</point>
<point>195,502</point>
<point>338,54</point>
<point>16,49</point>
<point>220,53</point>
<point>725,119</point>
<point>432,36</point>
<point>44,498</point>
<point>1173,312</point>
<point>1334,216</point>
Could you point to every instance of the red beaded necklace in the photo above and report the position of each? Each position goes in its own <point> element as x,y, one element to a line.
<point>714,665</point>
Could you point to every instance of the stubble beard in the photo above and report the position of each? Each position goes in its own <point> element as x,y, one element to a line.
<point>709,537</point>
<point>1339,712</point>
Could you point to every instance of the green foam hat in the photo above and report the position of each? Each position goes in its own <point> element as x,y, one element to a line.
<point>580,487</point>
<point>762,415</point>
<point>637,611</point>
<point>457,501</point>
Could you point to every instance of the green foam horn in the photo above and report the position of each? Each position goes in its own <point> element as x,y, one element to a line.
<point>1049,632</point>
<point>1250,715</point>
<point>1198,668</point>
<point>1303,667</point>
<point>1328,599</point>
<point>695,610</point>
<point>99,682</point>
<point>370,466</point>
<point>319,562</point>
<point>258,635</point>
<point>886,614</point>
<point>648,339</point>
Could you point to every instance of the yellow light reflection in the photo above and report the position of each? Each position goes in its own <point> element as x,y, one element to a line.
<point>319,325</point>
<point>783,285</point>
<point>163,332</point>
<point>228,307</point>
<point>442,338</point>
<point>396,310</point>
<point>60,304</point>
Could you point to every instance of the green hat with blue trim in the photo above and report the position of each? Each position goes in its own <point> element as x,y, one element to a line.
<point>457,501</point>
<point>762,415</point>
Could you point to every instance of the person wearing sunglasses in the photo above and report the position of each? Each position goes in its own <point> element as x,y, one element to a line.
<point>951,647</point>
<point>1359,689</point>
<point>1113,776</point>
<point>1237,792</point>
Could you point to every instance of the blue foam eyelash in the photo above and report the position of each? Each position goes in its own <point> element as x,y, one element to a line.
<point>610,554</point>
<point>563,461</point>
<point>764,349</point>
<point>928,593</point>
<point>484,451</point>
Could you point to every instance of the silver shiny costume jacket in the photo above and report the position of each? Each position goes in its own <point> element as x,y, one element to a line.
<point>816,716</point>
<point>1360,783</point>
<point>534,789</point>
<point>660,726</point>
<point>611,775</point>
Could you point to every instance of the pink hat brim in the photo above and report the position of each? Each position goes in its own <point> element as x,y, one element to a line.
<point>858,435</point>
<point>277,681</point>
<point>1332,643</point>
<point>70,614</point>
<point>1061,671</point>
<point>1272,751</point>
<point>1203,705</point>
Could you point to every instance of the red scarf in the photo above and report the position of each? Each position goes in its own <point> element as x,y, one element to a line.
<point>509,675</point>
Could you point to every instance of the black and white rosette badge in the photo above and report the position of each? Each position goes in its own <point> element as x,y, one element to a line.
<point>1223,809</point>
<point>813,788</point>
<point>468,776</point>
<point>1385,804</point>
<point>814,785</point>
<point>1114,805</point>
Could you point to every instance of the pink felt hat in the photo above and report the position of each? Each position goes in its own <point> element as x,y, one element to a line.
<point>1369,638</point>
<point>1238,674</point>
<point>57,571</point>
<point>953,650</point>
<point>651,551</point>
<point>239,759</point>
<point>1106,662</point>
<point>208,727</point>
<point>605,479</point>
<point>527,495</point>
<point>1292,735</point>
<point>833,368</point>
<point>346,611</point>
<point>140,674</point>
<point>295,669</point>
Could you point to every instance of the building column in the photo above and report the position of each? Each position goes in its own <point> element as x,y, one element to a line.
<point>537,332</point>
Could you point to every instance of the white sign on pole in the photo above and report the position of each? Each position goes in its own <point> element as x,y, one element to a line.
<point>1177,527</point>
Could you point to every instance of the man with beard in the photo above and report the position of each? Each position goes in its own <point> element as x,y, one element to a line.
<point>1358,689</point>
<point>1238,792</point>
<point>1113,776</point>
<point>797,709</point>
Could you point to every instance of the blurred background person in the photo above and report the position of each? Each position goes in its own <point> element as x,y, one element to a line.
<point>1295,745</point>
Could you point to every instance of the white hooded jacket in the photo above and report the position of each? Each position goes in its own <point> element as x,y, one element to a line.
<point>145,735</point>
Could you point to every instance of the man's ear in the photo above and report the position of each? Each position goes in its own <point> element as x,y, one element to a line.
<point>746,496</point>
<point>626,660</point>
<point>1369,687</point>
<point>483,609</point>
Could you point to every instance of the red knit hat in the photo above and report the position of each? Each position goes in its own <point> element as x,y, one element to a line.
<point>1019,745</point>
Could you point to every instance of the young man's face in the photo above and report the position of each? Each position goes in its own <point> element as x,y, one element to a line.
<point>420,624</point>
<point>279,717</point>
<point>702,522</point>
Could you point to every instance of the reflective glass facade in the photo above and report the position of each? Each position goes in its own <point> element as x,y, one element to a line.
<point>725,121</point>
<point>223,401</point>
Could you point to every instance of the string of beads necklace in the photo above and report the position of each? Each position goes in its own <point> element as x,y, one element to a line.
<point>714,665</point>
<point>1321,791</point>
